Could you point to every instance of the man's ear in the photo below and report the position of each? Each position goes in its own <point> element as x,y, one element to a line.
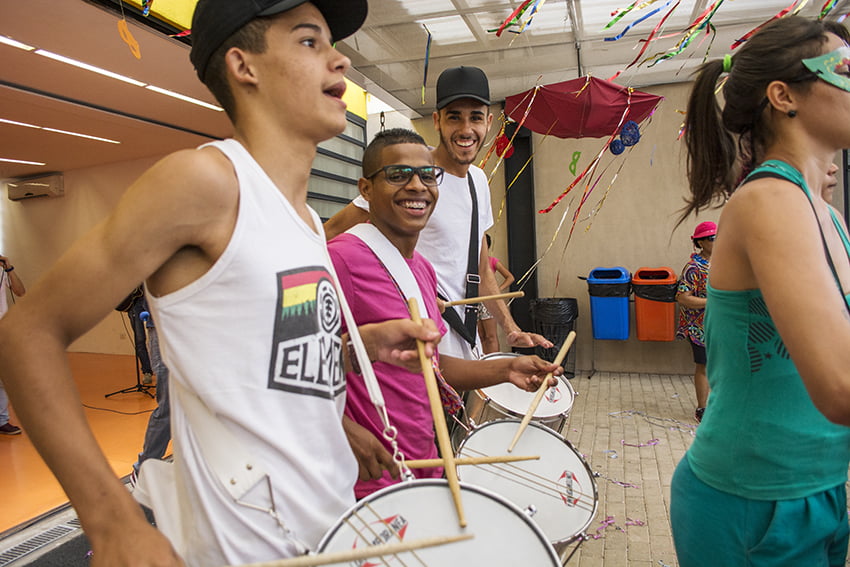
<point>365,187</point>
<point>239,66</point>
<point>436,117</point>
<point>489,119</point>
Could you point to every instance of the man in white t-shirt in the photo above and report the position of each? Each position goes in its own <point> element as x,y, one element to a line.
<point>462,119</point>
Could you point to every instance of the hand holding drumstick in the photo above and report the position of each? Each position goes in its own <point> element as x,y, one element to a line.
<point>541,391</point>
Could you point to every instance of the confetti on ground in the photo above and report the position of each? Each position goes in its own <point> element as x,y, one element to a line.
<point>647,444</point>
<point>659,421</point>
<point>610,522</point>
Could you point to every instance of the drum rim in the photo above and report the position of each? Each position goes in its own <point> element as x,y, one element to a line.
<point>535,528</point>
<point>592,475</point>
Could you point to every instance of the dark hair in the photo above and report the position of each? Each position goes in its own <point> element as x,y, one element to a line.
<point>384,138</point>
<point>723,144</point>
<point>252,38</point>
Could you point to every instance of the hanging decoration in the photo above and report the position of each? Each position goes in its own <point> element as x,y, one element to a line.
<point>702,22</point>
<point>146,7</point>
<point>586,107</point>
<point>648,40</point>
<point>574,162</point>
<point>504,148</point>
<point>516,18</point>
<point>427,60</point>
<point>793,9</point>
<point>127,37</point>
<point>827,8</point>
<point>639,20</point>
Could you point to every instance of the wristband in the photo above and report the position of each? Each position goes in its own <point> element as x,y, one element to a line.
<point>9,269</point>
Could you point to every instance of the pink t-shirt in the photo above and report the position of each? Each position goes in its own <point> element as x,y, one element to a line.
<point>374,297</point>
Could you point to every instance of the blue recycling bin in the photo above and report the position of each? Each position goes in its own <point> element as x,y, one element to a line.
<point>609,290</point>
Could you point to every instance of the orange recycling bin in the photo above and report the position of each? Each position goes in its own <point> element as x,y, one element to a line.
<point>655,303</point>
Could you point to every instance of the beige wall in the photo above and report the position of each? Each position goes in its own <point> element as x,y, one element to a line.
<point>634,227</point>
<point>37,231</point>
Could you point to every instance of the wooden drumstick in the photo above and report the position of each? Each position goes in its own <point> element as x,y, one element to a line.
<point>469,300</point>
<point>430,463</point>
<point>440,427</point>
<point>538,397</point>
<point>350,556</point>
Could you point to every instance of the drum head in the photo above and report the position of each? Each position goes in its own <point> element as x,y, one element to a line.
<point>515,402</point>
<point>559,486</point>
<point>504,536</point>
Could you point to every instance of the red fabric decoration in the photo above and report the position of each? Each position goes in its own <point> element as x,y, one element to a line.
<point>501,145</point>
<point>586,107</point>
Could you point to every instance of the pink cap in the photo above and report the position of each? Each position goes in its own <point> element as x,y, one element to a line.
<point>704,229</point>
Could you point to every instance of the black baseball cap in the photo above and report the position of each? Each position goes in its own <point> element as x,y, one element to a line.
<point>462,82</point>
<point>216,20</point>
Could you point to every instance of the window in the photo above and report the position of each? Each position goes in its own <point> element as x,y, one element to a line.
<point>336,169</point>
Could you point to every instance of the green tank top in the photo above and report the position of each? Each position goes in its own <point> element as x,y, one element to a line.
<point>762,436</point>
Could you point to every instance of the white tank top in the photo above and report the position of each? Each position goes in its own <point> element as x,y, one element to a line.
<point>257,338</point>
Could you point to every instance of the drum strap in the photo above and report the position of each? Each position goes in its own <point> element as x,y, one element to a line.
<point>467,327</point>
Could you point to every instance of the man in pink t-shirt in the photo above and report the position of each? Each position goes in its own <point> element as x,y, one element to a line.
<point>401,184</point>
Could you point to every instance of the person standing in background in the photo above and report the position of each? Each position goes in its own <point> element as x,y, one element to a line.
<point>9,282</point>
<point>487,328</point>
<point>691,297</point>
<point>158,432</point>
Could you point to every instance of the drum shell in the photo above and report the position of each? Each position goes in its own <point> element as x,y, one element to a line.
<point>424,508</point>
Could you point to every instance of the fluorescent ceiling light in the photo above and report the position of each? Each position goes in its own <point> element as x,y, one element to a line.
<point>105,73</point>
<point>87,67</point>
<point>14,123</point>
<point>184,98</point>
<point>77,134</point>
<point>56,130</point>
<point>22,161</point>
<point>14,43</point>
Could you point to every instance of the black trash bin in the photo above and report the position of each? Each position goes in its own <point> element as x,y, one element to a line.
<point>554,318</point>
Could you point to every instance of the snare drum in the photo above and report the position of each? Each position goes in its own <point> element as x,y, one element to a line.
<point>559,488</point>
<point>504,535</point>
<point>506,400</point>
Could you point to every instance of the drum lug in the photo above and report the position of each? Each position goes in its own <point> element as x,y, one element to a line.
<point>530,510</point>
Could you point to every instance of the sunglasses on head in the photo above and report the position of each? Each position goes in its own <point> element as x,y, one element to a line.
<point>429,175</point>
<point>709,238</point>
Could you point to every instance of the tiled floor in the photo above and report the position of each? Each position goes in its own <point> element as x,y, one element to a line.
<point>632,429</point>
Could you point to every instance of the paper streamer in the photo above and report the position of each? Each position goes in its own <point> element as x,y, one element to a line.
<point>427,60</point>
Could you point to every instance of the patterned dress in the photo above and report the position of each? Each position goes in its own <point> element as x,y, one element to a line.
<point>693,279</point>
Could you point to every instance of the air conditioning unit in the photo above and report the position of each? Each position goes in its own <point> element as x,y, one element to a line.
<point>50,185</point>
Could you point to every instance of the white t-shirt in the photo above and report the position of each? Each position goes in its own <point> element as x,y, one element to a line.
<point>445,243</point>
<point>257,339</point>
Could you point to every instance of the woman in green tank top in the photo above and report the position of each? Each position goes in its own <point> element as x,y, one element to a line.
<point>763,482</point>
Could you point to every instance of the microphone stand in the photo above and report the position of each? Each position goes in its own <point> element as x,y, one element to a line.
<point>139,387</point>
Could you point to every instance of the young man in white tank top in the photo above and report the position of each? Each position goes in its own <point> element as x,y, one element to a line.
<point>234,317</point>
